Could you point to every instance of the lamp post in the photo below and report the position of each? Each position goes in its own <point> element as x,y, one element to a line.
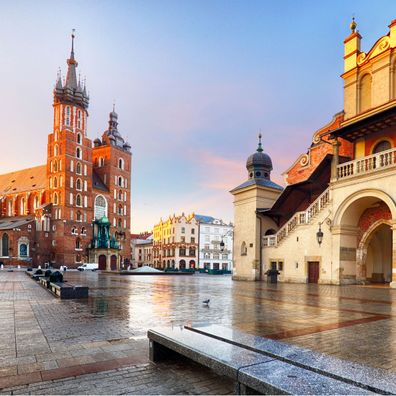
<point>319,233</point>
<point>222,244</point>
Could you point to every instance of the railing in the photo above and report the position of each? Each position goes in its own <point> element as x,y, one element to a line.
<point>304,217</point>
<point>369,164</point>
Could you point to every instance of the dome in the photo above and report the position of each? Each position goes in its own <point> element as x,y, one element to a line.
<point>259,159</point>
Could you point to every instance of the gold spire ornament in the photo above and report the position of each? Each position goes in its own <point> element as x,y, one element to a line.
<point>353,25</point>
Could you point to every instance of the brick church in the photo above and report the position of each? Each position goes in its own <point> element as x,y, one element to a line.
<point>76,207</point>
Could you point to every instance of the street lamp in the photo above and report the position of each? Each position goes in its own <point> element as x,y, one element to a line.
<point>222,244</point>
<point>319,235</point>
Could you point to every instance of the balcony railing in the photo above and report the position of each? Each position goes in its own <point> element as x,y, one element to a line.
<point>304,217</point>
<point>367,165</point>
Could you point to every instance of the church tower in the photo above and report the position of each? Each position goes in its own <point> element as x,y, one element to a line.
<point>254,195</point>
<point>69,168</point>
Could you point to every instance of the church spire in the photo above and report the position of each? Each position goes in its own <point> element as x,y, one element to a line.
<point>71,78</point>
<point>260,147</point>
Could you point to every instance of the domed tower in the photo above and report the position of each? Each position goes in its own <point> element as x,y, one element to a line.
<point>259,164</point>
<point>258,192</point>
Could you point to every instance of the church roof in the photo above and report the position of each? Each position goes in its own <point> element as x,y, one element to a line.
<point>24,180</point>
<point>97,182</point>
<point>258,182</point>
<point>9,223</point>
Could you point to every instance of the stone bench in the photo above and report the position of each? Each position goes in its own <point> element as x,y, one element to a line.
<point>370,378</point>
<point>252,370</point>
<point>68,291</point>
<point>44,281</point>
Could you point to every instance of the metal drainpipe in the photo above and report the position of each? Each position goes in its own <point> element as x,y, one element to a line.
<point>260,246</point>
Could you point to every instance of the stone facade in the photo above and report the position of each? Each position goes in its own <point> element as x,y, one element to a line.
<point>335,220</point>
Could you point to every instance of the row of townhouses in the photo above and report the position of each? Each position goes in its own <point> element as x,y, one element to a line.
<point>185,242</point>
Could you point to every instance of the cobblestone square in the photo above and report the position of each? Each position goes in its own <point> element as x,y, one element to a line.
<point>99,345</point>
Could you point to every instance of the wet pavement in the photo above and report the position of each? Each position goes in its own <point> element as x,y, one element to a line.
<point>44,340</point>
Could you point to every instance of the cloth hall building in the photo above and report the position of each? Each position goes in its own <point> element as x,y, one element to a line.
<point>76,207</point>
<point>335,221</point>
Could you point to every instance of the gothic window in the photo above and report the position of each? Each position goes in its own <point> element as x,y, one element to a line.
<point>382,146</point>
<point>78,243</point>
<point>78,152</point>
<point>78,168</point>
<point>79,216</point>
<point>120,195</point>
<point>120,210</point>
<point>121,163</point>
<point>56,150</point>
<point>83,231</point>
<point>120,181</point>
<point>78,200</point>
<point>74,230</point>
<point>79,140</point>
<point>55,166</point>
<point>55,199</point>
<point>55,182</point>
<point>78,184</point>
<point>243,249</point>
<point>5,242</point>
<point>67,118</point>
<point>100,207</point>
<point>79,118</point>
<point>23,249</point>
<point>22,207</point>
<point>119,223</point>
<point>365,93</point>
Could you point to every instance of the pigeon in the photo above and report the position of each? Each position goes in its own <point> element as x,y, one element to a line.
<point>206,302</point>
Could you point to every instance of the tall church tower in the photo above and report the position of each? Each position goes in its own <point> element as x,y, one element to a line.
<point>69,169</point>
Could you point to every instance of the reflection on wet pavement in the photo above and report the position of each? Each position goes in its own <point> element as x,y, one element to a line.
<point>41,334</point>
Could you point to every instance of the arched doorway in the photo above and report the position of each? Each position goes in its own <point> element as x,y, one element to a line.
<point>375,253</point>
<point>192,264</point>
<point>113,262</point>
<point>182,264</point>
<point>364,235</point>
<point>102,262</point>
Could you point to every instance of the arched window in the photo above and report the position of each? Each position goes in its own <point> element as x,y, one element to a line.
<point>382,146</point>
<point>78,243</point>
<point>78,200</point>
<point>78,152</point>
<point>79,140</point>
<point>55,182</point>
<point>79,118</point>
<point>120,181</point>
<point>119,223</point>
<point>79,216</point>
<point>121,163</point>
<point>120,210</point>
<point>22,206</point>
<point>5,242</point>
<point>55,199</point>
<point>83,231</point>
<point>243,249</point>
<point>67,117</point>
<point>120,195</point>
<point>74,230</point>
<point>55,166</point>
<point>56,150</point>
<point>101,161</point>
<point>78,184</point>
<point>23,250</point>
<point>100,207</point>
<point>365,92</point>
<point>78,168</point>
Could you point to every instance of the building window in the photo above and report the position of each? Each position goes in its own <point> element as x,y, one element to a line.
<point>121,163</point>
<point>119,223</point>
<point>78,200</point>
<point>83,231</point>
<point>23,249</point>
<point>79,216</point>
<point>101,161</point>
<point>56,150</point>
<point>382,146</point>
<point>67,118</point>
<point>243,249</point>
<point>71,166</point>
<point>55,182</point>
<point>192,252</point>
<point>78,152</point>
<point>182,251</point>
<point>74,231</point>
<point>365,92</point>
<point>192,240</point>
<point>79,139</point>
<point>120,195</point>
<point>79,117</point>
<point>55,199</point>
<point>78,168</point>
<point>183,230</point>
<point>4,244</point>
<point>78,185</point>
<point>78,243</point>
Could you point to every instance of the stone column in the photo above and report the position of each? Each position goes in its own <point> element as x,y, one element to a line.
<point>336,159</point>
<point>393,283</point>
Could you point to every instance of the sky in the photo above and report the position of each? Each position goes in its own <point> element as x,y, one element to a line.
<point>193,81</point>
